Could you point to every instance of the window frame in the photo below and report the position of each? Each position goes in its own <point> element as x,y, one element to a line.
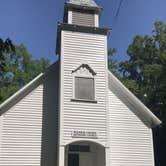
<point>73,87</point>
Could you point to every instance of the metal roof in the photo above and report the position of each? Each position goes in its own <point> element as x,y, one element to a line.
<point>89,3</point>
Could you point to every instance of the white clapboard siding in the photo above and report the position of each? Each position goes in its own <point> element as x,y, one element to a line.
<point>50,119</point>
<point>83,19</point>
<point>21,131</point>
<point>130,139</point>
<point>77,49</point>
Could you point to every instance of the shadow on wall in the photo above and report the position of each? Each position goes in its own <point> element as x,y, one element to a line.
<point>49,149</point>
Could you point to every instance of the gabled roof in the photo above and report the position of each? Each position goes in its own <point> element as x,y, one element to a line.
<point>132,101</point>
<point>115,86</point>
<point>26,89</point>
<point>89,3</point>
<point>20,94</point>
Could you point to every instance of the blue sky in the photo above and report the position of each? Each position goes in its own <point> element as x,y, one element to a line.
<point>34,23</point>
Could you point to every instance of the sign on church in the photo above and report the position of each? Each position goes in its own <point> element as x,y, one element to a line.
<point>84,134</point>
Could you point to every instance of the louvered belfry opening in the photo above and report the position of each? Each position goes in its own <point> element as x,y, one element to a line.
<point>82,13</point>
<point>82,18</point>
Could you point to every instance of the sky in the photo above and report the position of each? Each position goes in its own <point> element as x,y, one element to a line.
<point>34,23</point>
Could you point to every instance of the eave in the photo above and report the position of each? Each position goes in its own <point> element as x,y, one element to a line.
<point>125,95</point>
<point>78,28</point>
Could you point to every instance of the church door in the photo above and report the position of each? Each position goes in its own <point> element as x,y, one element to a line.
<point>73,159</point>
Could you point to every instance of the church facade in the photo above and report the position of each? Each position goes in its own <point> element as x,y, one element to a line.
<point>77,113</point>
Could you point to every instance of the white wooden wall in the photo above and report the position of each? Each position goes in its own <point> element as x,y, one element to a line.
<point>76,49</point>
<point>131,141</point>
<point>29,129</point>
<point>21,131</point>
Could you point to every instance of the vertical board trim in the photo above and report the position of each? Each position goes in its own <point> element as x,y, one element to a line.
<point>152,147</point>
<point>1,128</point>
<point>107,96</point>
<point>96,20</point>
<point>61,91</point>
<point>70,17</point>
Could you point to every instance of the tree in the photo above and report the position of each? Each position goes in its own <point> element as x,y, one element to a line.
<point>112,62</point>
<point>5,47</point>
<point>145,75</point>
<point>19,68</point>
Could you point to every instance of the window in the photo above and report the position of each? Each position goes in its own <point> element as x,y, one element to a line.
<point>79,148</point>
<point>84,88</point>
<point>84,84</point>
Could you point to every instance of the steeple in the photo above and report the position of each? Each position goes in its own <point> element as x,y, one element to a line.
<point>82,50</point>
<point>89,3</point>
<point>82,12</point>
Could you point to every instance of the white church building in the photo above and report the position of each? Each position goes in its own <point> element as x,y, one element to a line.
<point>77,113</point>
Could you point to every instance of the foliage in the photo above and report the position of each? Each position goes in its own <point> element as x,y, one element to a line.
<point>19,68</point>
<point>5,47</point>
<point>145,75</point>
<point>112,63</point>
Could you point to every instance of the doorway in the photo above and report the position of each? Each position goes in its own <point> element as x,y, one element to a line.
<point>80,159</point>
<point>84,154</point>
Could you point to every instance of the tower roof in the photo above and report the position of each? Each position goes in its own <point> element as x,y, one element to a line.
<point>89,3</point>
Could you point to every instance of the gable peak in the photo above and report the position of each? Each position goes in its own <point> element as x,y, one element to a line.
<point>83,69</point>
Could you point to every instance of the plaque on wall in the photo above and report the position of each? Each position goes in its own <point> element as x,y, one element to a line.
<point>84,134</point>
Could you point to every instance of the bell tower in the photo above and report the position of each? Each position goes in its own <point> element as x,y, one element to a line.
<point>83,106</point>
<point>82,12</point>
